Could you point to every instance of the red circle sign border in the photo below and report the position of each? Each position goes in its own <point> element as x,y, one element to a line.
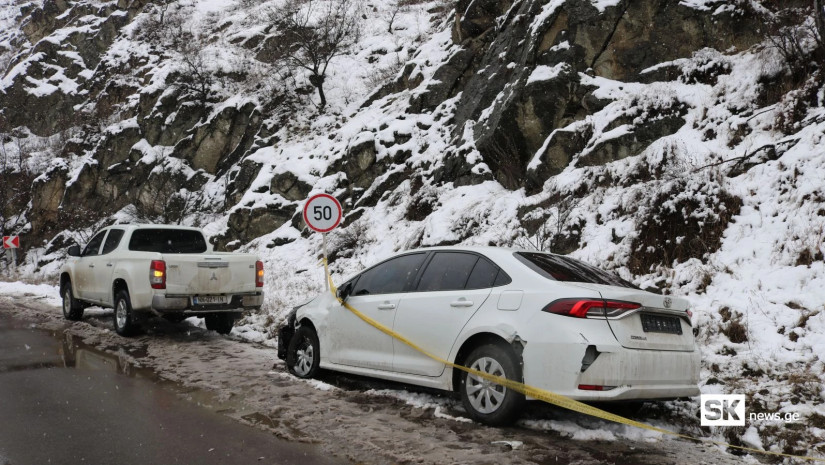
<point>337,222</point>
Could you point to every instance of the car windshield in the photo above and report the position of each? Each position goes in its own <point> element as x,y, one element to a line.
<point>167,241</point>
<point>560,268</point>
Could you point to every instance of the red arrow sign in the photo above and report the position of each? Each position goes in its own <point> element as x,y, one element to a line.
<point>11,242</point>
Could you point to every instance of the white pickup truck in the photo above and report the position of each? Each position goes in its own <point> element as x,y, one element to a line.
<point>144,270</point>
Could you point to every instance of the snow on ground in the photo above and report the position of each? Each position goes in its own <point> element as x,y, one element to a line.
<point>758,278</point>
<point>346,416</point>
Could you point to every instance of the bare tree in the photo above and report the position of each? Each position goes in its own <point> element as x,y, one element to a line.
<point>315,32</point>
<point>798,34</point>
<point>819,21</point>
<point>392,12</point>
<point>197,80</point>
<point>550,235</point>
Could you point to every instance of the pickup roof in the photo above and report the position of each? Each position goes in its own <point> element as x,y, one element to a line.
<point>144,270</point>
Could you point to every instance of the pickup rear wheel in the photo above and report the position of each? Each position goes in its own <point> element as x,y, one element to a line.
<point>72,308</point>
<point>303,355</point>
<point>221,323</point>
<point>124,317</point>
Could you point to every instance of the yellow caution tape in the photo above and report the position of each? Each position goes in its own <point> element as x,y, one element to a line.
<point>544,395</point>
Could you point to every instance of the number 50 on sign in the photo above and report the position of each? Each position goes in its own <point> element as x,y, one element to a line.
<point>322,213</point>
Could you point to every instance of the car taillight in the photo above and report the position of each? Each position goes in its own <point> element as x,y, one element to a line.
<point>259,274</point>
<point>584,308</point>
<point>157,274</point>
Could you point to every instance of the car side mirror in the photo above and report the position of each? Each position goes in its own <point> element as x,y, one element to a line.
<point>345,291</point>
<point>74,251</point>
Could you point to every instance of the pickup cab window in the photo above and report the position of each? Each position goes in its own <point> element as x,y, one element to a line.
<point>167,241</point>
<point>112,240</point>
<point>93,247</point>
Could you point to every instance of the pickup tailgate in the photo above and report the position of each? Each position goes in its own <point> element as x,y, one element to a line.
<point>210,274</point>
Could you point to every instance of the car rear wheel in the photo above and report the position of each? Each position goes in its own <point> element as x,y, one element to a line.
<point>303,355</point>
<point>72,308</point>
<point>124,317</point>
<point>221,323</point>
<point>486,401</point>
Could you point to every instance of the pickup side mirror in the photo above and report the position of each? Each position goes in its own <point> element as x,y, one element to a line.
<point>345,291</point>
<point>74,251</point>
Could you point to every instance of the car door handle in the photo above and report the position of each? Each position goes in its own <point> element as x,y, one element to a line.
<point>461,303</point>
<point>91,265</point>
<point>386,306</point>
<point>108,264</point>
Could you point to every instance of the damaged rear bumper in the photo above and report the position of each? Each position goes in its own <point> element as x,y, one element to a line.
<point>612,372</point>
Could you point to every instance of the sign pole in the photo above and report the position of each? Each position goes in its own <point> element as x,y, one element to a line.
<point>323,213</point>
<point>326,266</point>
<point>14,262</point>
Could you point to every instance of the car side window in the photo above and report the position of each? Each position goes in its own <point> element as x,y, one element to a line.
<point>483,275</point>
<point>447,271</point>
<point>112,240</point>
<point>502,279</point>
<point>392,276</point>
<point>93,247</point>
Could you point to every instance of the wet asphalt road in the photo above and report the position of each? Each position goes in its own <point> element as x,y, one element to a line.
<point>60,405</point>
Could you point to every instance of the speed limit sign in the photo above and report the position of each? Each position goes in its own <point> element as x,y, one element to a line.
<point>322,213</point>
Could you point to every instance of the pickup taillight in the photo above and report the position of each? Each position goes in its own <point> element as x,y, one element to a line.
<point>157,274</point>
<point>259,274</point>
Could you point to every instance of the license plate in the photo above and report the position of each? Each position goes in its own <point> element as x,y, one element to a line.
<point>661,324</point>
<point>210,299</point>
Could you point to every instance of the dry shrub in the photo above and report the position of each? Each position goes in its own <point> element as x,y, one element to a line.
<point>793,106</point>
<point>736,332</point>
<point>684,221</point>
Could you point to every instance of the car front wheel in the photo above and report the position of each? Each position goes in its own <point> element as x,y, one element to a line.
<point>484,400</point>
<point>303,355</point>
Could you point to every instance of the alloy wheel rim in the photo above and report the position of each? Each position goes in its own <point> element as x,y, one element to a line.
<point>120,313</point>
<point>67,302</point>
<point>305,356</point>
<point>485,396</point>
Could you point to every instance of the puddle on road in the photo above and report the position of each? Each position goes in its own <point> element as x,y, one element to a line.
<point>73,352</point>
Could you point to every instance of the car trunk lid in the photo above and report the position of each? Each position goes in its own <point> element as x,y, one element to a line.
<point>662,322</point>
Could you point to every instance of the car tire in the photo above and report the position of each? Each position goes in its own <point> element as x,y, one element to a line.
<point>303,356</point>
<point>72,308</point>
<point>174,317</point>
<point>124,317</point>
<point>221,323</point>
<point>487,402</point>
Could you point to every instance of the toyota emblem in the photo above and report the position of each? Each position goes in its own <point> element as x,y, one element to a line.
<point>668,302</point>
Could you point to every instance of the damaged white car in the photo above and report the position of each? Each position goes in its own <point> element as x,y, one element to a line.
<point>550,321</point>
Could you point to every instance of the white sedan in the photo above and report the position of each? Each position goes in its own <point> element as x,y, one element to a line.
<point>550,321</point>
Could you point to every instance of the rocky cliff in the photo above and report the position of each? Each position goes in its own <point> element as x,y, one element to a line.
<point>676,143</point>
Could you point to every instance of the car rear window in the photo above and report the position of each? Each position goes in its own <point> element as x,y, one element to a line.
<point>167,241</point>
<point>560,268</point>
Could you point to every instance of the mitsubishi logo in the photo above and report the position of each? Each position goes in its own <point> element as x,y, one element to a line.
<point>213,278</point>
<point>668,301</point>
